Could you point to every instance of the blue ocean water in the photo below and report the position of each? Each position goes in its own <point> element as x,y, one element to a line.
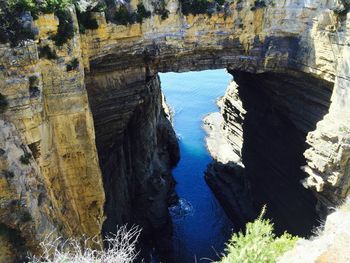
<point>201,233</point>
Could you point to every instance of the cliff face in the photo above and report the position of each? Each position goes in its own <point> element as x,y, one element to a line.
<point>265,120</point>
<point>49,165</point>
<point>290,36</point>
<point>103,85</point>
<point>137,148</point>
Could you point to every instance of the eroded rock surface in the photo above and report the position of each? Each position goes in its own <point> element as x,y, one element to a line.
<point>49,142</point>
<point>58,106</point>
<point>291,36</point>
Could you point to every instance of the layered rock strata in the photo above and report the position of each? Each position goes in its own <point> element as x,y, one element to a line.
<point>51,180</point>
<point>266,118</point>
<point>290,36</point>
<point>137,147</point>
<point>112,70</point>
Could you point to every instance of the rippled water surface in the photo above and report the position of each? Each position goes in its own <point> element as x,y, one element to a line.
<point>201,227</point>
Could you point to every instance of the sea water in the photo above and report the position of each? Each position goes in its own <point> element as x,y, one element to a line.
<point>201,227</point>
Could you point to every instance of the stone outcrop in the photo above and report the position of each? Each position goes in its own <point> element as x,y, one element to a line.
<point>110,93</point>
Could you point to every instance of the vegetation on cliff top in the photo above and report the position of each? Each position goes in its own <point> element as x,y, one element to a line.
<point>258,243</point>
<point>44,6</point>
<point>16,19</point>
<point>124,17</point>
<point>196,7</point>
<point>261,4</point>
<point>11,25</point>
<point>16,24</point>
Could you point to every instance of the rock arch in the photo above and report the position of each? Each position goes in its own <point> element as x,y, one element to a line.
<point>117,80</point>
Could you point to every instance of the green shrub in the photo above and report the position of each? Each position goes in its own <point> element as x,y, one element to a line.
<point>11,27</point>
<point>23,5</point>
<point>164,15</point>
<point>51,6</point>
<point>122,16</point>
<point>196,7</point>
<point>3,103</point>
<point>261,4</point>
<point>44,6</point>
<point>142,13</point>
<point>47,52</point>
<point>100,7</point>
<point>86,21</point>
<point>33,80</point>
<point>220,2</point>
<point>65,28</point>
<point>25,158</point>
<point>160,9</point>
<point>73,65</point>
<point>258,243</point>
<point>34,92</point>
<point>344,129</point>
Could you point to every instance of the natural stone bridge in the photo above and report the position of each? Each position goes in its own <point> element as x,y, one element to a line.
<point>114,96</point>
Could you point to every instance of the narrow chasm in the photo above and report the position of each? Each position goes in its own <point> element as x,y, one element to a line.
<point>266,118</point>
<point>253,158</point>
<point>200,225</point>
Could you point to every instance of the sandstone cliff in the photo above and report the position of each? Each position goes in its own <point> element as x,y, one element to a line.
<point>96,106</point>
<point>288,36</point>
<point>49,162</point>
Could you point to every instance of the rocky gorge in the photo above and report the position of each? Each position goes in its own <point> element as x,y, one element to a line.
<point>86,145</point>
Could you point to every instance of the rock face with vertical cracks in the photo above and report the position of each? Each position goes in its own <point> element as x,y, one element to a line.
<point>137,148</point>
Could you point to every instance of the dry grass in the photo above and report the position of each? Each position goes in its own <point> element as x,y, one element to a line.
<point>121,248</point>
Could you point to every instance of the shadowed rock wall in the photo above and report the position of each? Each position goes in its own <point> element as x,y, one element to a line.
<point>265,120</point>
<point>137,148</point>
